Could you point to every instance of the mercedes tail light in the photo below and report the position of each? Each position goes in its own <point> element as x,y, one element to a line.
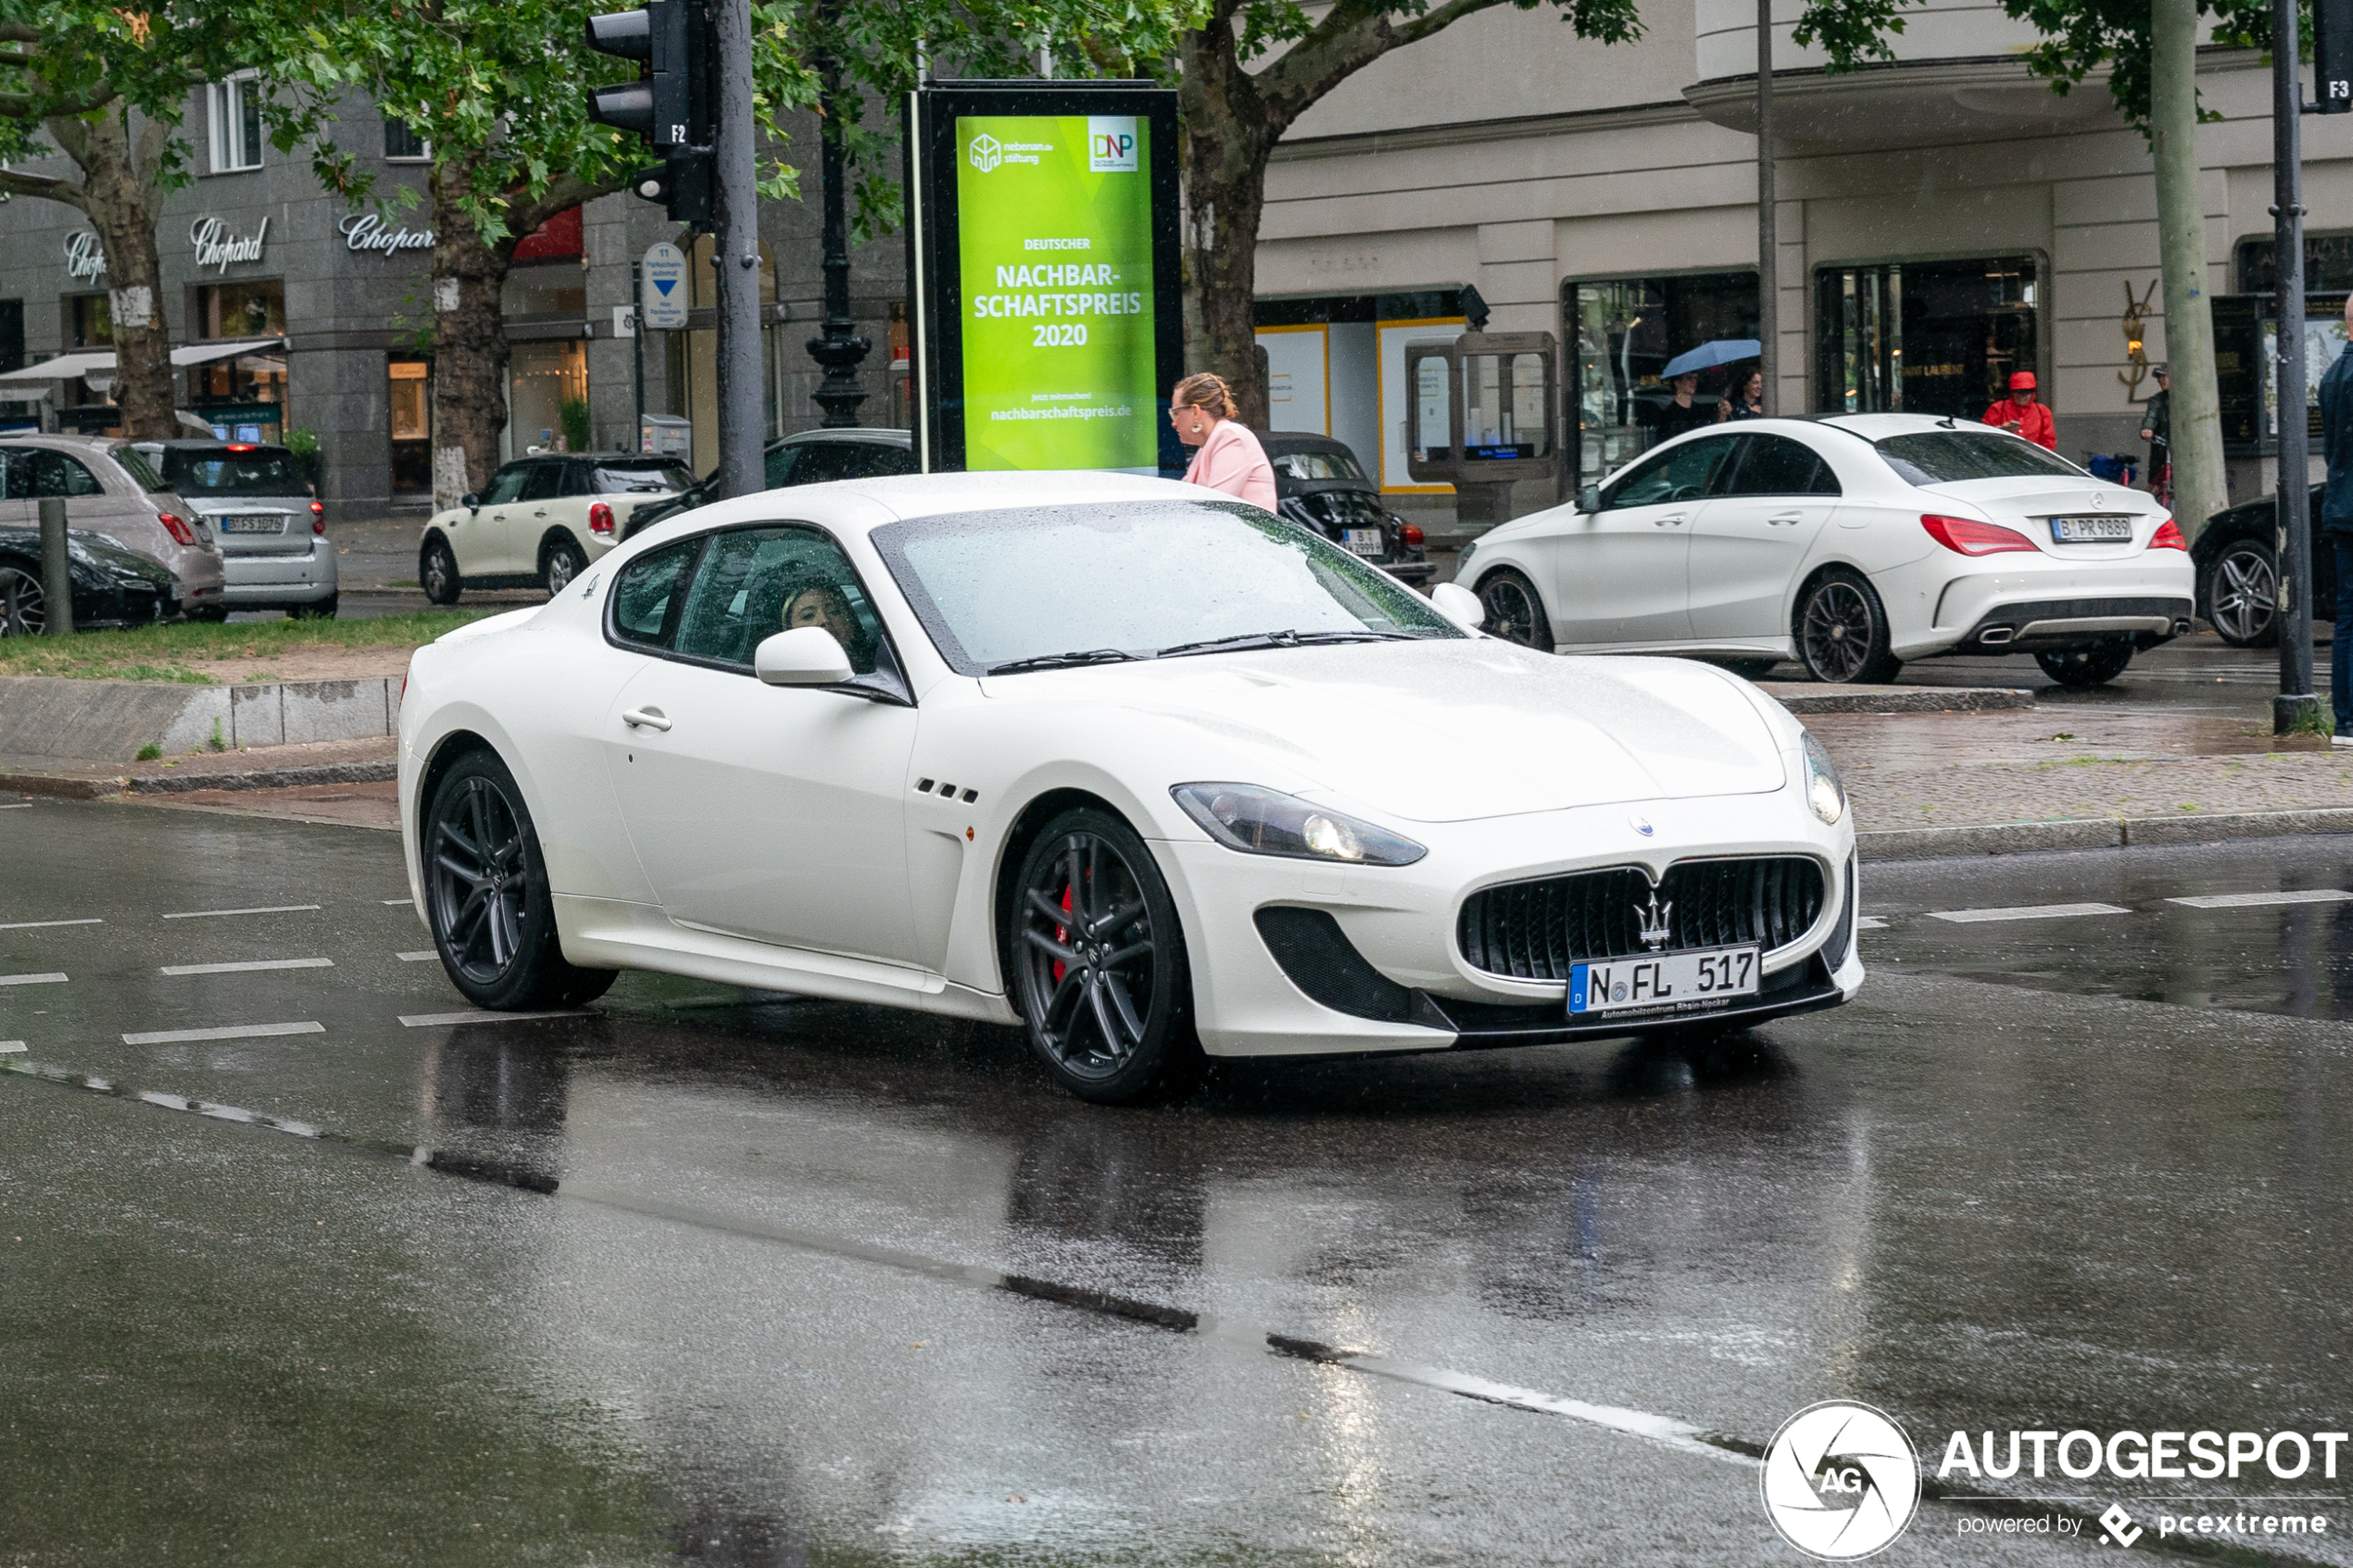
<point>2168,537</point>
<point>1969,537</point>
<point>1411,535</point>
<point>599,518</point>
<point>178,528</point>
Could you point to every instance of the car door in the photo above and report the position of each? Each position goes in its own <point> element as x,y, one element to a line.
<point>777,813</point>
<point>1620,571</point>
<point>478,538</point>
<point>16,489</point>
<point>1748,542</point>
<point>535,511</point>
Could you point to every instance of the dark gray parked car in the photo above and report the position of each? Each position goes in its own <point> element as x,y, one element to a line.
<point>1319,485</point>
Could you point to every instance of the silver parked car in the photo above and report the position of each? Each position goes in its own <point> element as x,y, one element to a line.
<point>273,533</point>
<point>109,489</point>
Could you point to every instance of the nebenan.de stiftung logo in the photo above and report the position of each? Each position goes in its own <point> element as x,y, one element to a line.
<point>1840,1480</point>
<point>983,152</point>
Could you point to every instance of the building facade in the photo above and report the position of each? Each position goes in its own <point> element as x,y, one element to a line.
<point>295,314</point>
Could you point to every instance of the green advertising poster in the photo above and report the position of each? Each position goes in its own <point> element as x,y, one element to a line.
<point>1055,240</point>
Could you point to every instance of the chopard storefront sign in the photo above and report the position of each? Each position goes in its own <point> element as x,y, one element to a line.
<point>219,249</point>
<point>366,232</point>
<point>85,258</point>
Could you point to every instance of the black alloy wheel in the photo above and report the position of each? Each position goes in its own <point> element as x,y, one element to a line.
<point>1841,632</point>
<point>560,563</point>
<point>1514,611</point>
<point>2086,667</point>
<point>437,571</point>
<point>2243,595</point>
<point>22,606</point>
<point>486,894</point>
<point>1098,962</point>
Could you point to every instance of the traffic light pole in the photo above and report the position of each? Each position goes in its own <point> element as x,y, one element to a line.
<point>736,254</point>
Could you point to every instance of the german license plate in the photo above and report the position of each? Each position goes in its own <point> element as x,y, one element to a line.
<point>2091,530</point>
<point>1364,541</point>
<point>1662,982</point>
<point>260,523</point>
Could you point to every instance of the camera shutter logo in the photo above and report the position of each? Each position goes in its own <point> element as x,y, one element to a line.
<point>1840,1480</point>
<point>985,153</point>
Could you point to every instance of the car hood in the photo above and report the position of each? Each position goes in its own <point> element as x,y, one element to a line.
<point>1448,731</point>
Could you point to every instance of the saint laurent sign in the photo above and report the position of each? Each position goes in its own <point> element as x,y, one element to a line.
<point>219,249</point>
<point>365,231</point>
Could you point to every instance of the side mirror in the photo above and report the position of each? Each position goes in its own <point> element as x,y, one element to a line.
<point>471,501</point>
<point>806,655</point>
<point>1458,605</point>
<point>1589,499</point>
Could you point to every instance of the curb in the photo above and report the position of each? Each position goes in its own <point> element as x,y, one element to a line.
<point>376,771</point>
<point>2098,832</point>
<point>1897,699</point>
<point>63,787</point>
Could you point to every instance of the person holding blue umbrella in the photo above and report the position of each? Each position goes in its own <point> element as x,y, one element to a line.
<point>1681,413</point>
<point>1682,374</point>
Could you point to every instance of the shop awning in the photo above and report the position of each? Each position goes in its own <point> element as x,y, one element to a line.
<point>66,366</point>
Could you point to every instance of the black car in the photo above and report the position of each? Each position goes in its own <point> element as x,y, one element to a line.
<point>2238,573</point>
<point>1319,485</point>
<point>810,456</point>
<point>112,587</point>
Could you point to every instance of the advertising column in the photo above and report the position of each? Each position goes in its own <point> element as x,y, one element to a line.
<point>1048,317</point>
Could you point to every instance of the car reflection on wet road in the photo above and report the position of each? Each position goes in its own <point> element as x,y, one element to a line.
<point>297,1269</point>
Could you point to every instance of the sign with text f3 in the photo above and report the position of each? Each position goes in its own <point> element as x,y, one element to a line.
<point>661,289</point>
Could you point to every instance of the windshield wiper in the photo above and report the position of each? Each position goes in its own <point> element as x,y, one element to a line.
<point>1061,661</point>
<point>1285,639</point>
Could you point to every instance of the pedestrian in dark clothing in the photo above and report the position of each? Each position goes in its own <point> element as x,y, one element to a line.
<point>2336,524</point>
<point>2157,425</point>
<point>1681,413</point>
<point>1745,399</point>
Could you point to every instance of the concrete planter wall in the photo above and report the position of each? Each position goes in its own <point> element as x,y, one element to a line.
<point>110,721</point>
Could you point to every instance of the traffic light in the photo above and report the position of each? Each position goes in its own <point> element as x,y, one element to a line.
<point>2333,56</point>
<point>673,103</point>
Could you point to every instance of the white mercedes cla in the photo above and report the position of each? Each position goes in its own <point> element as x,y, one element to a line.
<point>1852,544</point>
<point>1144,771</point>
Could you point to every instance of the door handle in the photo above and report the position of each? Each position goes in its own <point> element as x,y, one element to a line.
<point>649,718</point>
<point>1675,522</point>
<point>1788,520</point>
<point>541,512</point>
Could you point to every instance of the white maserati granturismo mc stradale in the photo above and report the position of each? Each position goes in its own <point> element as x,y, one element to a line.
<point>1143,771</point>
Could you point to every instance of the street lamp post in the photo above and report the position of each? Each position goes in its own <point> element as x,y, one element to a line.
<point>1768,357</point>
<point>838,348</point>
<point>2297,702</point>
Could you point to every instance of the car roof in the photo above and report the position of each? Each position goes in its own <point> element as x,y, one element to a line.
<point>868,436</point>
<point>1302,441</point>
<point>907,497</point>
<point>1879,427</point>
<point>202,443</point>
<point>644,460</point>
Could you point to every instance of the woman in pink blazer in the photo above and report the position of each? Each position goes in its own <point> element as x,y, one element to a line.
<point>1230,458</point>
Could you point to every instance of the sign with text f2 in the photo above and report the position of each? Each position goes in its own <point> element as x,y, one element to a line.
<point>1042,239</point>
<point>661,289</point>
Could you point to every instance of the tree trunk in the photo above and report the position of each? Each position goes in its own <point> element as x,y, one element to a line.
<point>469,344</point>
<point>2199,490</point>
<point>120,195</point>
<point>1226,141</point>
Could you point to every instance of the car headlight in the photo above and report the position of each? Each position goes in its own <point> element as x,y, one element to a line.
<point>1823,790</point>
<point>1258,820</point>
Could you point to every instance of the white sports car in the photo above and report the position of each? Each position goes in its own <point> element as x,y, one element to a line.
<point>1145,770</point>
<point>1852,544</point>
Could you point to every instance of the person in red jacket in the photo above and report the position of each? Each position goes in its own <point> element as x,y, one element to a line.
<point>2022,415</point>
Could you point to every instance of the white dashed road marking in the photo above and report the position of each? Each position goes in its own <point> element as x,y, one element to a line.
<point>392,901</point>
<point>2254,900</point>
<point>1870,923</point>
<point>264,909</point>
<point>18,806</point>
<point>11,1047</point>
<point>430,1020</point>
<point>2026,912</point>
<point>247,967</point>
<point>417,958</point>
<point>44,924</point>
<point>32,979</point>
<point>233,1032</point>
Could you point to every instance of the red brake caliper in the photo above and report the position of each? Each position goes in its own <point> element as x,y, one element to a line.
<point>1062,933</point>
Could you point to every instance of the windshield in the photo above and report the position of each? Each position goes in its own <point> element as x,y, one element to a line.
<point>1944,457</point>
<point>996,587</point>
<point>1317,465</point>
<point>645,479</point>
<point>257,472</point>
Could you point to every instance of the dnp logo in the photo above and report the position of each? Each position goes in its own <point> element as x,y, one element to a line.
<point>1110,143</point>
<point>1840,1480</point>
<point>985,153</point>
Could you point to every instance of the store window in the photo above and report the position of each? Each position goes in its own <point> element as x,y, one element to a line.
<point>546,395</point>
<point>92,320</point>
<point>409,385</point>
<point>1924,338</point>
<point>2328,264</point>
<point>240,309</point>
<point>1624,331</point>
<point>236,113</point>
<point>402,145</point>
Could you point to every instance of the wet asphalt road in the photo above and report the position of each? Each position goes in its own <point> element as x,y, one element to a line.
<point>733,1278</point>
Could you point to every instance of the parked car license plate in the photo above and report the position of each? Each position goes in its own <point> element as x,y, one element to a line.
<point>2091,530</point>
<point>257,523</point>
<point>1364,541</point>
<point>1662,981</point>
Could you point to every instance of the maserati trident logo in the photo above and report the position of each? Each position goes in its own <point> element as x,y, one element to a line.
<point>1640,824</point>
<point>1657,923</point>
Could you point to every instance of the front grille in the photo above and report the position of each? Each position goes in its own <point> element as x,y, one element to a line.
<point>1537,930</point>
